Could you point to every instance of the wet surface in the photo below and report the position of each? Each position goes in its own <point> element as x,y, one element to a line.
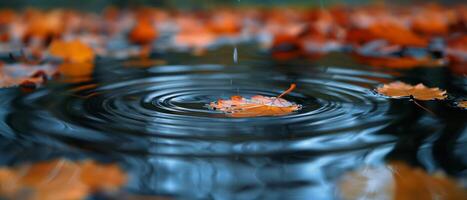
<point>155,123</point>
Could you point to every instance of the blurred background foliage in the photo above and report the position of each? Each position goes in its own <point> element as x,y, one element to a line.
<point>97,5</point>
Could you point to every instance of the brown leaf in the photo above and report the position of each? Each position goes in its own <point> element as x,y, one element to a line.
<point>419,91</point>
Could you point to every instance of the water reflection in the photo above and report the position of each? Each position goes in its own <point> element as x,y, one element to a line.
<point>291,176</point>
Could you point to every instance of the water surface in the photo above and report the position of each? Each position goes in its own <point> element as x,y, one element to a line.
<point>154,122</point>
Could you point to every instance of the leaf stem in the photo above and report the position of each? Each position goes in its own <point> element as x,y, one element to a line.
<point>422,107</point>
<point>291,88</point>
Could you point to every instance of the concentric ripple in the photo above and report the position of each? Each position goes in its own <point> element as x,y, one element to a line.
<point>163,110</point>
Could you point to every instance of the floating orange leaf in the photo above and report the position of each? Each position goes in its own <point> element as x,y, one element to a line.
<point>143,33</point>
<point>398,181</point>
<point>419,91</point>
<point>256,106</point>
<point>72,51</point>
<point>59,179</point>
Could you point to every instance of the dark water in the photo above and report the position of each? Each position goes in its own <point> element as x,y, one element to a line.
<point>154,122</point>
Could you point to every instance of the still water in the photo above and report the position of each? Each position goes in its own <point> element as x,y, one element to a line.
<point>154,122</point>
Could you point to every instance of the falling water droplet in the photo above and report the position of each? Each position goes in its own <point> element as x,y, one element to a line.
<point>235,55</point>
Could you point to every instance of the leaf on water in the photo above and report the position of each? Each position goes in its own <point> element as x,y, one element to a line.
<point>256,106</point>
<point>73,51</point>
<point>143,32</point>
<point>78,57</point>
<point>398,181</point>
<point>59,179</point>
<point>419,91</point>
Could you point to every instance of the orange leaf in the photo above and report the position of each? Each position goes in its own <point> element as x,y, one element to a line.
<point>72,51</point>
<point>419,91</point>
<point>143,33</point>
<point>257,106</point>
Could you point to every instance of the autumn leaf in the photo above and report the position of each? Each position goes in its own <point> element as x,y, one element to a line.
<point>419,91</point>
<point>59,179</point>
<point>78,57</point>
<point>143,32</point>
<point>256,106</point>
<point>73,51</point>
<point>398,181</point>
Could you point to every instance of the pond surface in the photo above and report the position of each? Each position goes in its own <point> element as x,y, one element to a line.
<point>154,122</point>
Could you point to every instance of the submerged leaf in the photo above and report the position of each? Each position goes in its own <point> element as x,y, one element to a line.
<point>256,106</point>
<point>419,91</point>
